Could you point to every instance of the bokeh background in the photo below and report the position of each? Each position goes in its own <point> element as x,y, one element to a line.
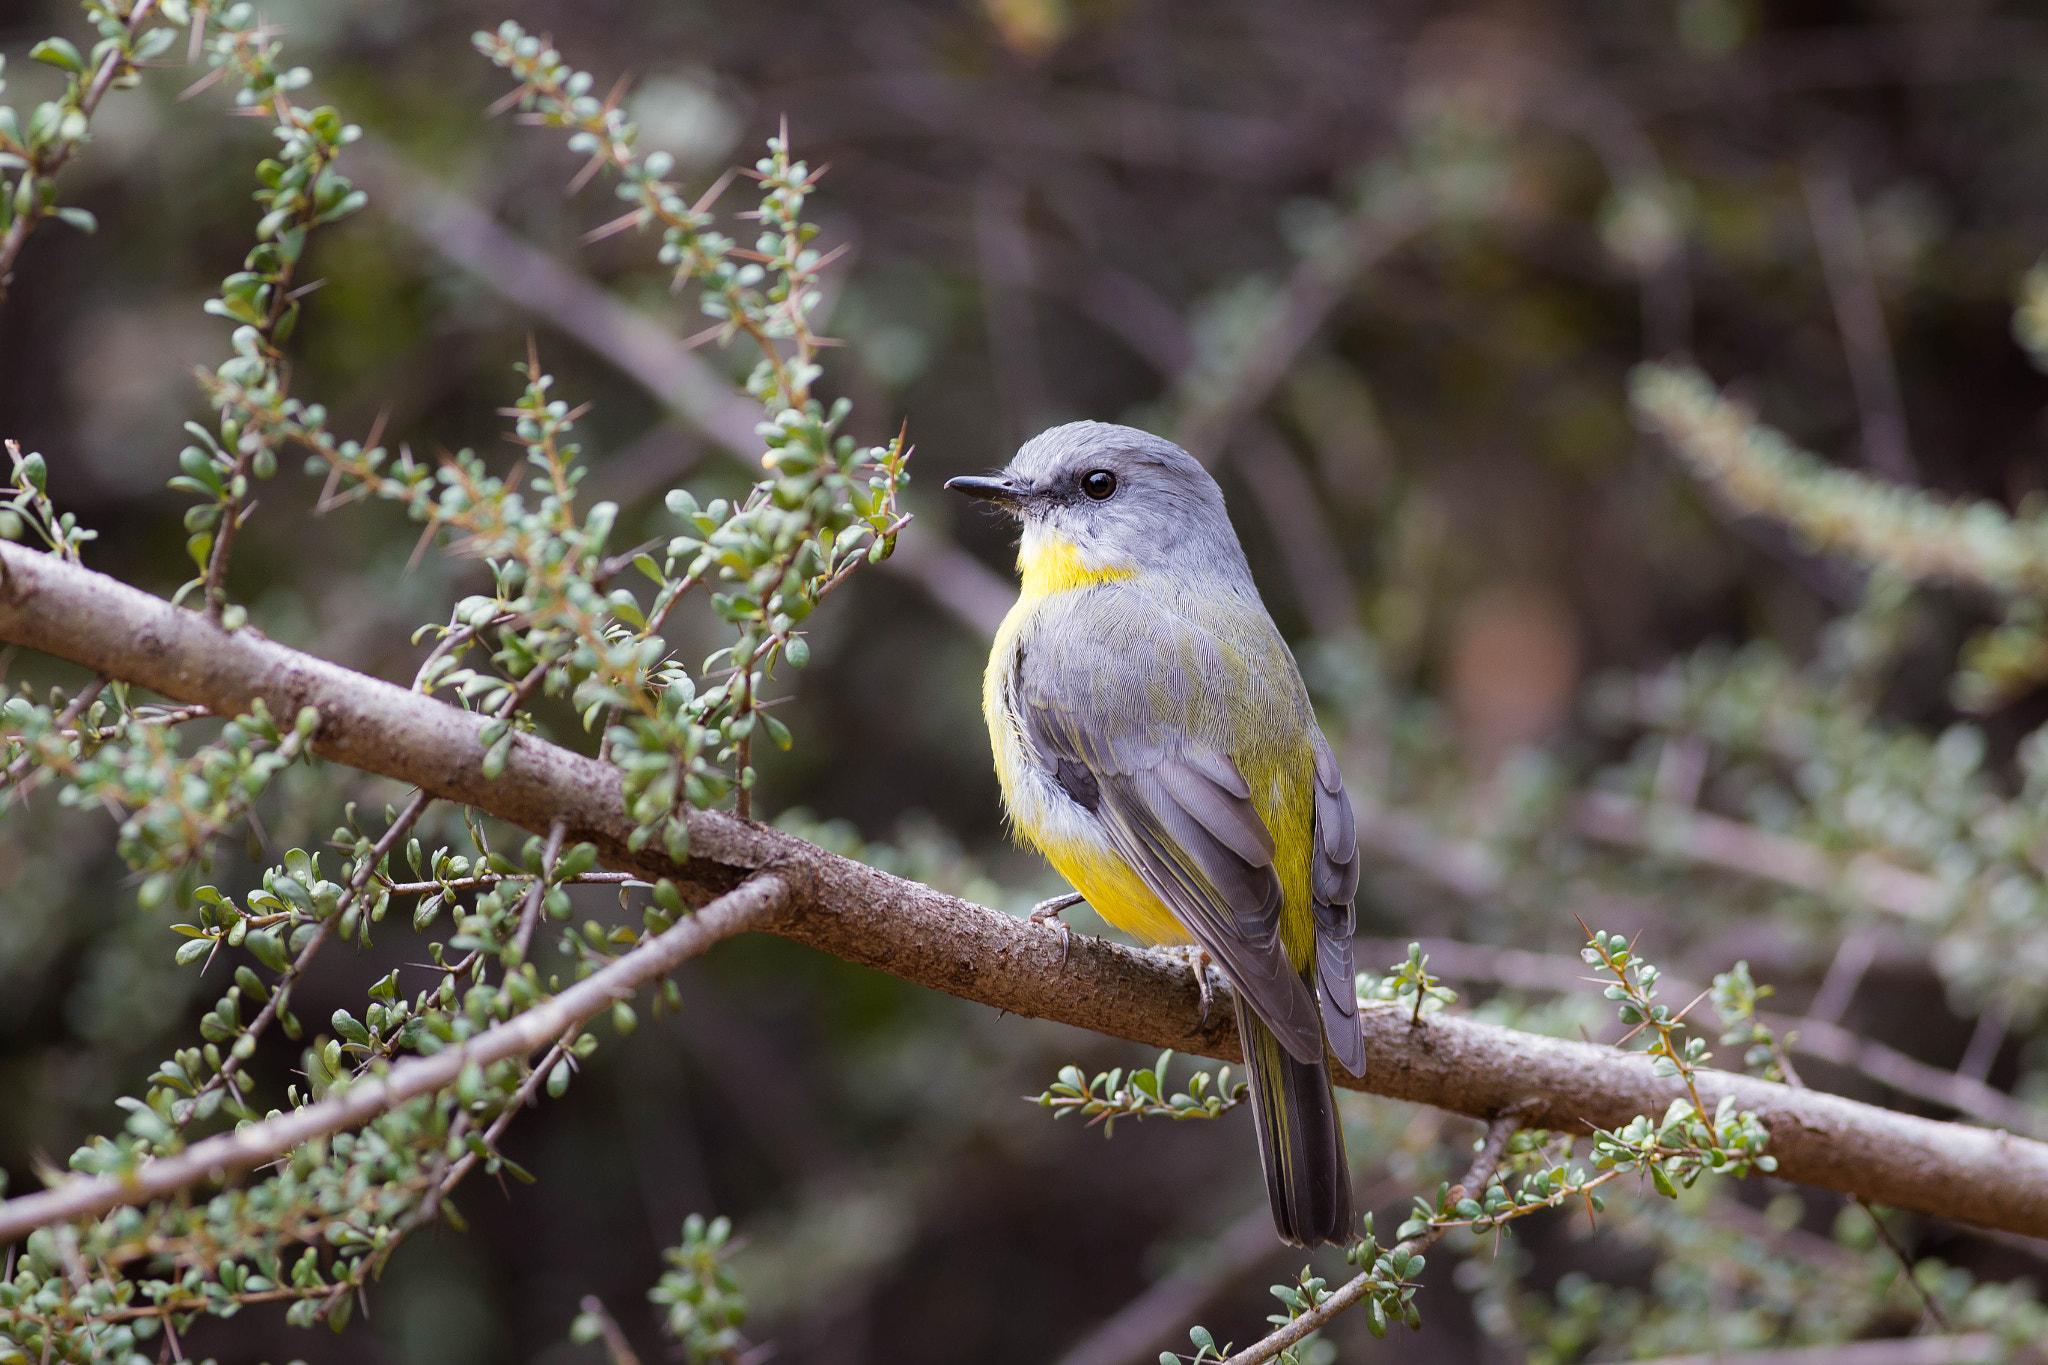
<point>1057,209</point>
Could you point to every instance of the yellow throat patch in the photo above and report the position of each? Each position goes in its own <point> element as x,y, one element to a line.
<point>1049,566</point>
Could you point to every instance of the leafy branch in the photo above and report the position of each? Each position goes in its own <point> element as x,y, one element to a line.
<point>787,545</point>
<point>58,128</point>
<point>299,190</point>
<point>1408,983</point>
<point>1110,1095</point>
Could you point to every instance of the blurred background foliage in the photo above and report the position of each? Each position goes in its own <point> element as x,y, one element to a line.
<point>1504,593</point>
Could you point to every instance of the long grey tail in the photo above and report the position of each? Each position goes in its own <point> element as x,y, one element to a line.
<point>1301,1139</point>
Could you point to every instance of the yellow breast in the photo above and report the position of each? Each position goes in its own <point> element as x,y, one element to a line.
<point>1118,894</point>
<point>1040,814</point>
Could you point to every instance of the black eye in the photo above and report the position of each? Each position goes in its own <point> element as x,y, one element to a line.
<point>1099,484</point>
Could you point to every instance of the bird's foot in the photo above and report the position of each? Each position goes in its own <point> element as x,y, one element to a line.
<point>1048,911</point>
<point>1199,962</point>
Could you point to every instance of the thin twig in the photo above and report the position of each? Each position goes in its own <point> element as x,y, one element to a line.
<point>75,708</point>
<point>111,66</point>
<point>1135,1331</point>
<point>453,1176</point>
<point>1899,1254</point>
<point>615,1344</point>
<point>493,878</point>
<point>1355,1290</point>
<point>281,991</point>
<point>1859,314</point>
<point>1853,956</point>
<point>469,238</point>
<point>1985,1041</point>
<point>1307,548</point>
<point>166,715</point>
<point>529,913</point>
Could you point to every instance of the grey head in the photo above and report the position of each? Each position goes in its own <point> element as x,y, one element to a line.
<point>1121,496</point>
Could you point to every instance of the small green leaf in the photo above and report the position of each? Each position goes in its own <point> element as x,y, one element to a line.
<point>59,53</point>
<point>267,949</point>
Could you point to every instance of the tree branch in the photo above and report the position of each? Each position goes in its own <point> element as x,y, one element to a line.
<point>1966,1348</point>
<point>1717,841</point>
<point>1809,1036</point>
<point>753,906</point>
<point>872,918</point>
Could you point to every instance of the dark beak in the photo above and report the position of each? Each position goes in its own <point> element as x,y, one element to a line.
<point>1001,490</point>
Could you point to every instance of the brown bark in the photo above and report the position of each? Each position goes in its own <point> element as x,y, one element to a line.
<point>869,917</point>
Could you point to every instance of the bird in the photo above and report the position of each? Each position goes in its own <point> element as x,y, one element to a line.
<point>1154,740</point>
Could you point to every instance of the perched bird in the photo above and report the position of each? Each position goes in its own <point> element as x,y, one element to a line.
<point>1154,740</point>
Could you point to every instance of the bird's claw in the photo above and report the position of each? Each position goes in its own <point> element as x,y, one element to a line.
<point>1199,961</point>
<point>1048,911</point>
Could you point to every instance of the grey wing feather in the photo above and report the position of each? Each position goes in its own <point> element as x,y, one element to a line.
<point>1333,886</point>
<point>1185,823</point>
<point>1227,816</point>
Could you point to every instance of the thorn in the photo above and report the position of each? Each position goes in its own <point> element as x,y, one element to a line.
<point>587,174</point>
<point>326,501</point>
<point>377,428</point>
<point>211,78</point>
<point>419,550</point>
<point>505,101</point>
<point>618,94</point>
<point>614,227</point>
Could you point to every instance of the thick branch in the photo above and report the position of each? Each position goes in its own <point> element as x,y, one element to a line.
<point>869,917</point>
<point>1808,1036</point>
<point>753,906</point>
